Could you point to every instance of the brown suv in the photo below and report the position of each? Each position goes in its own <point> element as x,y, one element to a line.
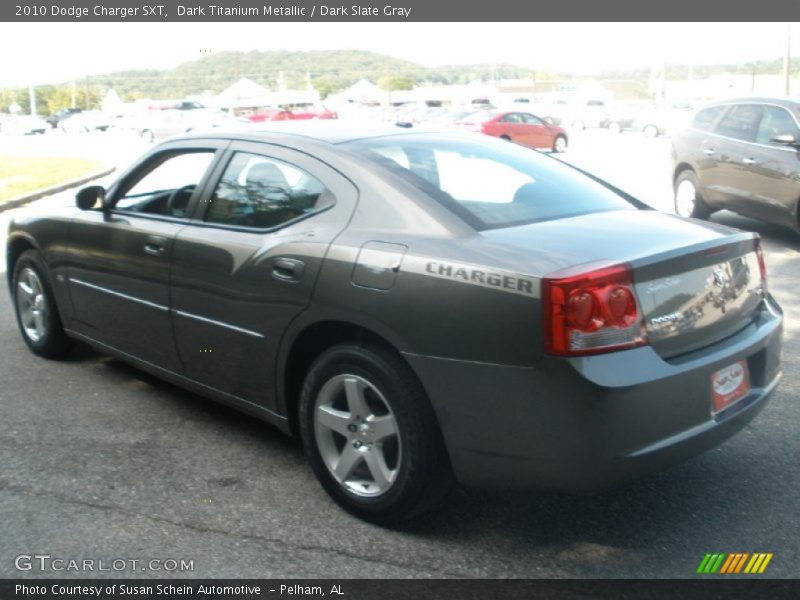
<point>742,155</point>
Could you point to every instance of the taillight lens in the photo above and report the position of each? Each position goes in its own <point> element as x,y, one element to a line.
<point>762,266</point>
<point>591,312</point>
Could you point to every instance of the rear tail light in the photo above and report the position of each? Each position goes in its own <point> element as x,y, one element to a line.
<point>591,312</point>
<point>762,266</point>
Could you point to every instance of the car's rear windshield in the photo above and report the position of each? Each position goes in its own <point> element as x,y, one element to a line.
<point>489,183</point>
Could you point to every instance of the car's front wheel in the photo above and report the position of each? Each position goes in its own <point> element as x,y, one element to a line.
<point>688,201</point>
<point>37,314</point>
<point>371,436</point>
<point>560,144</point>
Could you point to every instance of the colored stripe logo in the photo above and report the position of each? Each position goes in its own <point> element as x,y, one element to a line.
<point>734,562</point>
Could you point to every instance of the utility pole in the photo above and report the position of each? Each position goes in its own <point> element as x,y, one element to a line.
<point>32,96</point>
<point>74,93</point>
<point>787,61</point>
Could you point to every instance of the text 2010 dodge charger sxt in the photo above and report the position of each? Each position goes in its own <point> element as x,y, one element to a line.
<point>414,306</point>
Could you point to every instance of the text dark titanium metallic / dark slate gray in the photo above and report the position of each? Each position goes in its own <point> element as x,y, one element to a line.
<point>415,306</point>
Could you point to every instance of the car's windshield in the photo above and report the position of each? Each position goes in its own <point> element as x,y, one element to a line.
<point>489,183</point>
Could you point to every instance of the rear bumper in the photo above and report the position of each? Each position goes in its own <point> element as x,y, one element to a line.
<point>587,423</point>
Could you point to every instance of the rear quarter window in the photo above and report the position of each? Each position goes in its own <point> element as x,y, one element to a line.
<point>704,120</point>
<point>489,183</point>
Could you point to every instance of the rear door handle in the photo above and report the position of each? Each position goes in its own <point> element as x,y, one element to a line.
<point>709,152</point>
<point>749,161</point>
<point>288,269</point>
<point>155,245</point>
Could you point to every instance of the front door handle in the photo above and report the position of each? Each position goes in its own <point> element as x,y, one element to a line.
<point>709,152</point>
<point>749,161</point>
<point>155,245</point>
<point>288,269</point>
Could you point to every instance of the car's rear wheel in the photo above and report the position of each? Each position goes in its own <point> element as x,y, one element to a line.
<point>688,201</point>
<point>371,435</point>
<point>615,127</point>
<point>650,131</point>
<point>148,136</point>
<point>560,144</point>
<point>37,314</point>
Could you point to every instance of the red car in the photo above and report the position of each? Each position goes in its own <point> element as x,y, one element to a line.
<point>270,114</point>
<point>312,112</point>
<point>521,127</point>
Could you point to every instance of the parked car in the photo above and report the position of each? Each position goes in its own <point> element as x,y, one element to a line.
<point>575,113</point>
<point>416,307</point>
<point>269,114</point>
<point>64,113</point>
<point>740,155</point>
<point>302,113</point>
<point>23,125</point>
<point>165,123</point>
<point>520,127</point>
<point>84,122</point>
<point>649,120</point>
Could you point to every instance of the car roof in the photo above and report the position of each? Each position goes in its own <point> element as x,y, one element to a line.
<point>779,100</point>
<point>330,132</point>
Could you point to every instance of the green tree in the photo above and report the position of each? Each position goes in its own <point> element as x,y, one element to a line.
<point>396,83</point>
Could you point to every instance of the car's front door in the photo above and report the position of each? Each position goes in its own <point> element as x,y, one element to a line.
<point>770,170</point>
<point>247,266</point>
<point>119,258</point>
<point>538,134</point>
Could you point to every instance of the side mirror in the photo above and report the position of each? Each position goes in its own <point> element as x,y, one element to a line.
<point>88,197</point>
<point>785,139</point>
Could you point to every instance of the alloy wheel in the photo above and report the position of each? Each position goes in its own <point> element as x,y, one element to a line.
<point>357,435</point>
<point>32,304</point>
<point>685,198</point>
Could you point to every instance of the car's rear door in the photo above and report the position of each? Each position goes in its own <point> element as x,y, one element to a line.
<point>119,259</point>
<point>699,146</point>
<point>734,135</point>
<point>246,266</point>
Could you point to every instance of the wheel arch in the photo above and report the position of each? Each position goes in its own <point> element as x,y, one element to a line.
<point>308,342</point>
<point>16,245</point>
<point>680,168</point>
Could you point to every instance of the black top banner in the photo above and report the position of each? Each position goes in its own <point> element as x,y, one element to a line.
<point>397,11</point>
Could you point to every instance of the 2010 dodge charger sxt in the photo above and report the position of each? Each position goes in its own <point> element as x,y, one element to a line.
<point>414,306</point>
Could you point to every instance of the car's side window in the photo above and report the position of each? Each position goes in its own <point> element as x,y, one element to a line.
<point>776,121</point>
<point>705,119</point>
<point>511,118</point>
<point>740,122</point>
<point>166,184</point>
<point>530,119</point>
<point>261,192</point>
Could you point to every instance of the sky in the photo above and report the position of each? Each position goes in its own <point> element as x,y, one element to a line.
<point>94,48</point>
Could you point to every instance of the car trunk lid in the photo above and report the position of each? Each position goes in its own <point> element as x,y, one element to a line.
<point>696,283</point>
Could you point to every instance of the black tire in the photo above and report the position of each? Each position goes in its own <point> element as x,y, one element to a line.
<point>650,131</point>
<point>560,144</point>
<point>54,342</point>
<point>422,473</point>
<point>701,209</point>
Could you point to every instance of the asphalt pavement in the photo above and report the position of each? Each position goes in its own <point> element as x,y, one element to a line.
<point>101,461</point>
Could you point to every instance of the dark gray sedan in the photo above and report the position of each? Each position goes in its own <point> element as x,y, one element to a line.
<point>418,308</point>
